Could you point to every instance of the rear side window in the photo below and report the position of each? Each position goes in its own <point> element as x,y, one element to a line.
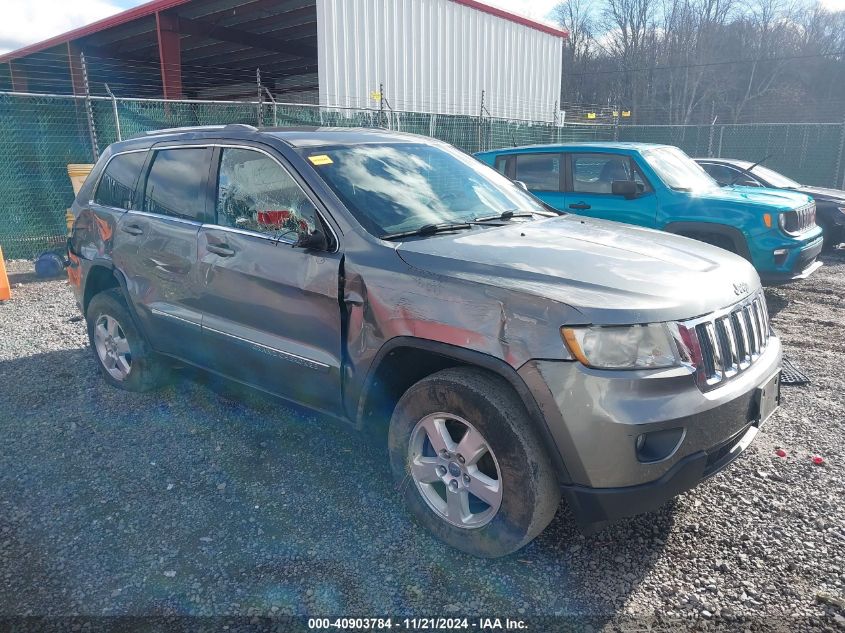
<point>176,183</point>
<point>118,181</point>
<point>539,172</point>
<point>504,165</point>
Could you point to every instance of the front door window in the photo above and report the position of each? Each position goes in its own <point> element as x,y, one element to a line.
<point>255,193</point>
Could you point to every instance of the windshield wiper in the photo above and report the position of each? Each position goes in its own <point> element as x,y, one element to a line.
<point>428,229</point>
<point>507,215</point>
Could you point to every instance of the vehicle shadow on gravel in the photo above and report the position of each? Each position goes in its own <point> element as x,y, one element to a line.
<point>775,302</point>
<point>186,501</point>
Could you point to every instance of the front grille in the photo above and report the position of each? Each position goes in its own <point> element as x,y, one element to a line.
<point>798,220</point>
<point>730,341</point>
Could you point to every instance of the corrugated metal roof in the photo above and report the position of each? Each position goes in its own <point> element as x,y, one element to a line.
<point>155,6</point>
<point>141,11</point>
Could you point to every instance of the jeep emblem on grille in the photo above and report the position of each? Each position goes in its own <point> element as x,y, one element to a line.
<point>740,288</point>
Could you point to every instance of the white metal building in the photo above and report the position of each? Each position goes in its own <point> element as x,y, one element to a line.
<point>433,56</point>
<point>437,56</point>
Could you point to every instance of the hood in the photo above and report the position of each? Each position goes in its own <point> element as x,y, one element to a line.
<point>823,194</point>
<point>612,273</point>
<point>782,199</point>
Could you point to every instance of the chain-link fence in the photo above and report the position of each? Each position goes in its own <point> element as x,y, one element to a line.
<point>41,134</point>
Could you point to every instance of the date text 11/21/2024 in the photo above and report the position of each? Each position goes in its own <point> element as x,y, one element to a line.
<point>418,624</point>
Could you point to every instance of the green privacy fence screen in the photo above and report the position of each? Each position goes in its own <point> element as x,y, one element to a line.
<point>41,134</point>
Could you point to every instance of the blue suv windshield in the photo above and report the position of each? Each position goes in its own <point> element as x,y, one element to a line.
<point>398,187</point>
<point>677,170</point>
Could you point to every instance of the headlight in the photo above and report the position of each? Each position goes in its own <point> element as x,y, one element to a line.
<point>630,347</point>
<point>841,209</point>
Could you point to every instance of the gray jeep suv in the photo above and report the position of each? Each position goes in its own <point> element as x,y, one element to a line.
<point>518,354</point>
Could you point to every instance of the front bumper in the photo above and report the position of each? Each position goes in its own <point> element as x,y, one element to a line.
<point>596,505</point>
<point>800,262</point>
<point>596,416</point>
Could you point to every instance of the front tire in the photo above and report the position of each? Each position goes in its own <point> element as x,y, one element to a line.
<point>122,355</point>
<point>468,463</point>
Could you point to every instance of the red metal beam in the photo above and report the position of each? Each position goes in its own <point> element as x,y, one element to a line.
<point>106,23</point>
<point>170,56</point>
<point>513,17</point>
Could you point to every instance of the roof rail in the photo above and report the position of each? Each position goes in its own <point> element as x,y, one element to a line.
<point>201,128</point>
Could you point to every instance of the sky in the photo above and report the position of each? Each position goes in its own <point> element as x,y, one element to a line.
<point>28,21</point>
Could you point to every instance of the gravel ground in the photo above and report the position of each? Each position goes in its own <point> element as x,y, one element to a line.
<point>185,502</point>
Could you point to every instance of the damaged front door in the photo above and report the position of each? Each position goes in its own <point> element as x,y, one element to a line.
<point>271,316</point>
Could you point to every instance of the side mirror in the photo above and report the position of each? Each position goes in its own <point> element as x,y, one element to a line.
<point>626,188</point>
<point>314,241</point>
<point>521,185</point>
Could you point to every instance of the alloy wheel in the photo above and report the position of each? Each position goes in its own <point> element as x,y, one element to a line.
<point>455,470</point>
<point>112,347</point>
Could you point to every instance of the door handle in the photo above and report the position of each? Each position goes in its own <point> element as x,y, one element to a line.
<point>132,229</point>
<point>220,249</point>
<point>579,205</point>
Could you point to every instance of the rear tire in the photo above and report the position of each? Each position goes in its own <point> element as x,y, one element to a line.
<point>468,410</point>
<point>123,357</point>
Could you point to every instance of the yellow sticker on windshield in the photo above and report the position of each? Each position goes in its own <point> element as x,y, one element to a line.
<point>320,159</point>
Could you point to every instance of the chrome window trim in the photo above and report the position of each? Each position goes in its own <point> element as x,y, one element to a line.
<point>286,170</point>
<point>294,358</point>
<point>209,225</point>
<point>248,233</point>
<point>161,216</point>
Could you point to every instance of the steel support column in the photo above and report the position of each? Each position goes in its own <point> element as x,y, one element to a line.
<point>170,55</point>
<point>19,80</point>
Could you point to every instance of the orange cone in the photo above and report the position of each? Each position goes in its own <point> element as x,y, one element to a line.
<point>5,291</point>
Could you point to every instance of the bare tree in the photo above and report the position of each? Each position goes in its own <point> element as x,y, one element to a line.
<point>682,61</point>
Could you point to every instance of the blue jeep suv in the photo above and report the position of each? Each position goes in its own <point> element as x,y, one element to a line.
<point>659,186</point>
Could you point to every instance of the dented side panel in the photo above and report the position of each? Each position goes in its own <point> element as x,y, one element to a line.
<point>385,298</point>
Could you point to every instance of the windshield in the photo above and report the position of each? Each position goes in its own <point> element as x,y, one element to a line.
<point>677,170</point>
<point>775,179</point>
<point>398,187</point>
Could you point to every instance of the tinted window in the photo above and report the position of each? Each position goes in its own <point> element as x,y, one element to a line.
<point>176,183</point>
<point>504,165</point>
<point>595,173</point>
<point>539,172</point>
<point>722,174</point>
<point>118,181</point>
<point>254,192</point>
